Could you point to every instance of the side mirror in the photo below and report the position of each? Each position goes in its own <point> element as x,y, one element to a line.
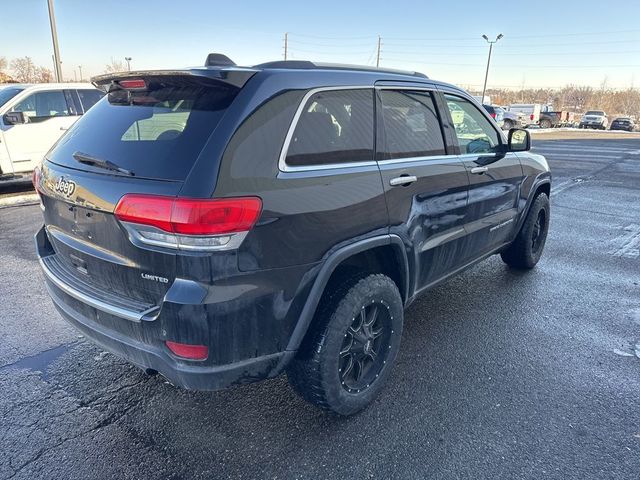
<point>519,140</point>
<point>15,118</point>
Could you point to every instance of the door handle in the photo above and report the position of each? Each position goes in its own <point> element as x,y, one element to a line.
<point>403,180</point>
<point>479,170</point>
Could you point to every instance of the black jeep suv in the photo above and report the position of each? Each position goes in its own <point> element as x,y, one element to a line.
<point>221,225</point>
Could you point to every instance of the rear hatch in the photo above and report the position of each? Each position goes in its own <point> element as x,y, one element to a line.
<point>142,138</point>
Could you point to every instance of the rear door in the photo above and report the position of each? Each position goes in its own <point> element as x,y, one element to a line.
<point>426,185</point>
<point>494,177</point>
<point>49,116</point>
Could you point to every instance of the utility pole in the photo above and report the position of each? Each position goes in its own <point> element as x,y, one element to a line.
<point>75,75</point>
<point>486,75</point>
<point>286,44</point>
<point>128,60</point>
<point>378,53</point>
<point>57,63</point>
<point>80,68</point>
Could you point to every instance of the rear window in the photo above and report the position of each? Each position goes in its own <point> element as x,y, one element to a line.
<point>595,112</point>
<point>334,127</point>
<point>155,133</point>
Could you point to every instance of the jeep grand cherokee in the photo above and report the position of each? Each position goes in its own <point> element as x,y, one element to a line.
<point>222,225</point>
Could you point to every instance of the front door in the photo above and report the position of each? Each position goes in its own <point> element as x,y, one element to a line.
<point>48,117</point>
<point>426,189</point>
<point>494,177</point>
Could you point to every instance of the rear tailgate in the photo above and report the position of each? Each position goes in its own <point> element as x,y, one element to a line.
<point>141,140</point>
<point>89,243</point>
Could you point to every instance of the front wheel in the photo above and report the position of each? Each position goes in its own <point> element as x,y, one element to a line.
<point>351,346</point>
<point>526,249</point>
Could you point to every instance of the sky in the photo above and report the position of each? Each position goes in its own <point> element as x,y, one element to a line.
<point>545,44</point>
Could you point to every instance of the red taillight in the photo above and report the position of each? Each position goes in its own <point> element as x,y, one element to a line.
<point>189,216</point>
<point>35,178</point>
<point>190,352</point>
<point>215,217</point>
<point>134,84</point>
<point>189,223</point>
<point>493,115</point>
<point>532,116</point>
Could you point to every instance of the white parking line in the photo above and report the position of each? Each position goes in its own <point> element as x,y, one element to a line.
<point>580,156</point>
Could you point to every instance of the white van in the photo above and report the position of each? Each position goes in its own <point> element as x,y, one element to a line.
<point>34,117</point>
<point>531,112</point>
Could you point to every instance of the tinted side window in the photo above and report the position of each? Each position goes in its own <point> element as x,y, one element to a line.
<point>89,98</point>
<point>411,124</point>
<point>334,127</point>
<point>474,131</point>
<point>41,106</point>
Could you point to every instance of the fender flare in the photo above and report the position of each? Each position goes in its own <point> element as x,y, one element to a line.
<point>540,180</point>
<point>330,264</point>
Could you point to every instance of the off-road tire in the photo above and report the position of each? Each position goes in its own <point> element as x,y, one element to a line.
<point>315,372</point>
<point>526,249</point>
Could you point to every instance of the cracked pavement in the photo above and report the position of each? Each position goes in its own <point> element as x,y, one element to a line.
<point>501,374</point>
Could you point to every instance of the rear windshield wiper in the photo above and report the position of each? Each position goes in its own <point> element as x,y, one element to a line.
<point>98,162</point>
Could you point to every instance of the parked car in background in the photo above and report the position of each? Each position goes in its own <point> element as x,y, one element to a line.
<point>512,120</point>
<point>623,123</point>
<point>531,112</point>
<point>594,119</point>
<point>496,113</point>
<point>223,224</point>
<point>550,118</point>
<point>34,117</point>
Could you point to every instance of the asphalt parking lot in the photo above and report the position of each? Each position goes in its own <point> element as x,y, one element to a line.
<point>501,374</point>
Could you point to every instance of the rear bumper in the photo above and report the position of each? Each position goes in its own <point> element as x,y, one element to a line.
<point>145,356</point>
<point>139,336</point>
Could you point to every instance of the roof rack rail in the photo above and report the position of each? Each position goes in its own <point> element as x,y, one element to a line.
<point>305,64</point>
<point>218,60</point>
<point>287,64</point>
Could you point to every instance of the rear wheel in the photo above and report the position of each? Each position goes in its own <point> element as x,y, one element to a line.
<point>526,249</point>
<point>545,123</point>
<point>348,353</point>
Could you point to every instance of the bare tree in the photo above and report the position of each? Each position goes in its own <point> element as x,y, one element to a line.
<point>24,70</point>
<point>114,66</point>
<point>43,75</point>
<point>3,64</point>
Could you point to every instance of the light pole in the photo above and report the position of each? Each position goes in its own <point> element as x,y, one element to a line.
<point>80,68</point>
<point>486,75</point>
<point>54,37</point>
<point>128,60</point>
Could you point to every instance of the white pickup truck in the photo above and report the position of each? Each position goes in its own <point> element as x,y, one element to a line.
<point>34,117</point>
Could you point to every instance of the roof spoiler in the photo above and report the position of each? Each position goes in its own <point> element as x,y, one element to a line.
<point>234,76</point>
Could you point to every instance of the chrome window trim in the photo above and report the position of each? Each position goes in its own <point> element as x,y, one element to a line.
<point>282,162</point>
<point>429,158</point>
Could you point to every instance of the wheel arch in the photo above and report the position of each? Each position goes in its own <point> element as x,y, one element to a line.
<point>360,253</point>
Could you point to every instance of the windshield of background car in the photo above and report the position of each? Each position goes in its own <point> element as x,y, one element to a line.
<point>8,93</point>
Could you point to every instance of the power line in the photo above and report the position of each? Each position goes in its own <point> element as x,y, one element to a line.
<point>325,37</point>
<point>589,33</point>
<point>620,52</point>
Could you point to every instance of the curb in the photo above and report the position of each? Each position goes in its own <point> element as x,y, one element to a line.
<point>19,200</point>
